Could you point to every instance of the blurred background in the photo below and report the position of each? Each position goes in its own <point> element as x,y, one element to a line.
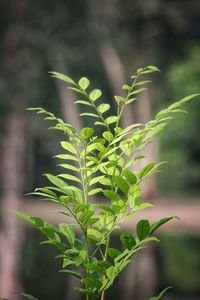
<point>106,41</point>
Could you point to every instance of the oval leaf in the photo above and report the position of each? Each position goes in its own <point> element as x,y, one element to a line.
<point>95,94</point>
<point>143,229</point>
<point>84,83</point>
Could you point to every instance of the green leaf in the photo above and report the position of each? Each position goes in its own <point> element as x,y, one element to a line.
<point>95,191</point>
<point>56,181</point>
<point>134,196</point>
<point>62,77</point>
<point>74,273</point>
<point>66,156</point>
<point>86,133</point>
<point>113,252</point>
<point>29,297</point>
<point>108,136</point>
<point>127,240</point>
<point>68,232</point>
<point>107,209</point>
<point>84,83</point>
<point>69,147</point>
<point>161,294</point>
<point>95,94</point>
<point>83,102</point>
<point>111,195</point>
<point>119,98</point>
<point>96,179</point>
<point>89,115</point>
<point>92,283</point>
<point>70,177</point>
<point>149,169</point>
<point>111,119</point>
<point>69,167</point>
<point>121,184</point>
<point>160,222</point>
<point>143,229</point>
<point>102,108</point>
<point>94,235</point>
<point>130,176</point>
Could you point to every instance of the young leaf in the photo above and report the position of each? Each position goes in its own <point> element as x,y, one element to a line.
<point>95,94</point>
<point>102,108</point>
<point>143,229</point>
<point>84,83</point>
<point>56,181</point>
<point>86,133</point>
<point>111,119</point>
<point>108,136</point>
<point>69,147</point>
<point>70,177</point>
<point>62,77</point>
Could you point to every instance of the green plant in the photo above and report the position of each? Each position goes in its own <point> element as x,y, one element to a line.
<point>101,165</point>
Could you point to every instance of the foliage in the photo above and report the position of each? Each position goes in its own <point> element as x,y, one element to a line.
<point>100,165</point>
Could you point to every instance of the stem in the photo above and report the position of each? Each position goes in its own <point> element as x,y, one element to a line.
<point>105,258</point>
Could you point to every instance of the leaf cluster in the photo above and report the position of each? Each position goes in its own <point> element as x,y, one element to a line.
<point>103,165</point>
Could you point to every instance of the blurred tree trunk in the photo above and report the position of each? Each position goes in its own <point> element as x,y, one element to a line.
<point>12,190</point>
<point>12,156</point>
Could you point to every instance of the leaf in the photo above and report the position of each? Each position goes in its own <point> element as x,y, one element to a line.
<point>62,77</point>
<point>119,98</point>
<point>69,147</point>
<point>56,181</point>
<point>107,209</point>
<point>111,195</point>
<point>161,294</point>
<point>92,283</point>
<point>94,235</point>
<point>160,222</point>
<point>74,273</point>
<point>153,68</point>
<point>121,184</point>
<point>70,177</point>
<point>95,191</point>
<point>83,102</point>
<point>130,176</point>
<point>29,297</point>
<point>95,94</point>
<point>108,136</point>
<point>148,169</point>
<point>134,196</point>
<point>102,108</point>
<point>86,133</point>
<point>84,83</point>
<point>143,229</point>
<point>68,232</point>
<point>127,240</point>
<point>89,115</point>
<point>111,119</point>
<point>113,252</point>
<point>69,167</point>
<point>66,156</point>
